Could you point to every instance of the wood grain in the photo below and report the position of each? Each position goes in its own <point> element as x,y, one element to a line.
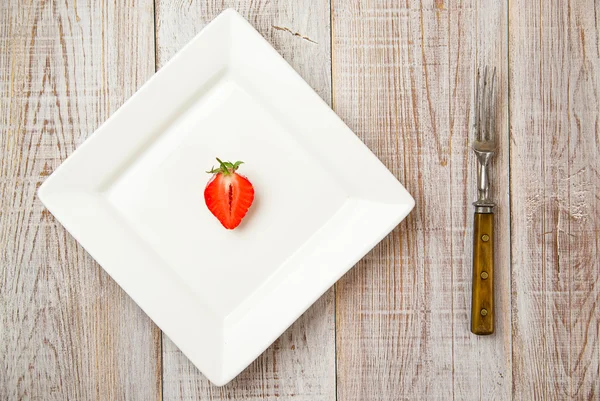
<point>555,186</point>
<point>402,80</point>
<point>67,331</point>
<point>300,365</point>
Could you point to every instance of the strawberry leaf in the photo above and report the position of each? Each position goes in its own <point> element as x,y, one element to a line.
<point>225,168</point>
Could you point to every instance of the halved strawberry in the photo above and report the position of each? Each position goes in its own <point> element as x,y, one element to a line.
<point>228,195</point>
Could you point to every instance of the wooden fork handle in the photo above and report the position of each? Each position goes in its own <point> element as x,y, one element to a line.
<point>482,305</point>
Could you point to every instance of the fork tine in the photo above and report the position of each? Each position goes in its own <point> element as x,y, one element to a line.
<point>492,111</point>
<point>482,105</point>
<point>477,101</point>
<point>486,106</point>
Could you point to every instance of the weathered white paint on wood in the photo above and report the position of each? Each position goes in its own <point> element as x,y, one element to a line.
<point>67,331</point>
<point>402,80</point>
<point>301,364</point>
<point>555,187</point>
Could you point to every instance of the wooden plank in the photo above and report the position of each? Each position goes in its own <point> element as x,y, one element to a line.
<point>402,80</point>
<point>394,308</point>
<point>463,45</point>
<point>67,331</point>
<point>300,365</point>
<point>555,152</point>
<point>482,365</point>
<point>495,352</point>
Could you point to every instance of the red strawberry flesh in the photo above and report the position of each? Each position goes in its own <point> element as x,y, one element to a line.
<point>228,195</point>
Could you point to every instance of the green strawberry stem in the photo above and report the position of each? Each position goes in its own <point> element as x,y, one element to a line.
<point>225,168</point>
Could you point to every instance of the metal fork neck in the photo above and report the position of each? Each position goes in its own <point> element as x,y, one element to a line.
<point>483,204</point>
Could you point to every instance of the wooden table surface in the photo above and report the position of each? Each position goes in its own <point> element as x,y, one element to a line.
<point>396,327</point>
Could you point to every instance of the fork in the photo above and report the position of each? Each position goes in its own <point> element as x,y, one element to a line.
<point>484,145</point>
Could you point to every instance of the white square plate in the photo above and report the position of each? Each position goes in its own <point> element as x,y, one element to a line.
<point>132,195</point>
